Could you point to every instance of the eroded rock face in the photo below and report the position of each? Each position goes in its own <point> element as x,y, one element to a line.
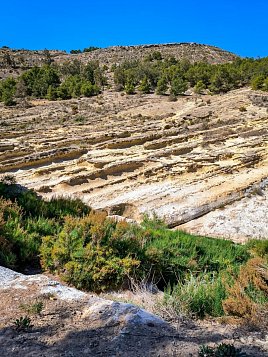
<point>239,221</point>
<point>135,154</point>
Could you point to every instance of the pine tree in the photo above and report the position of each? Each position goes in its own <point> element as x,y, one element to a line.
<point>178,86</point>
<point>129,88</point>
<point>161,87</point>
<point>145,86</point>
<point>199,87</point>
<point>52,93</point>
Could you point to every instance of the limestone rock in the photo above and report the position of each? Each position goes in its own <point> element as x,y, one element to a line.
<point>143,154</point>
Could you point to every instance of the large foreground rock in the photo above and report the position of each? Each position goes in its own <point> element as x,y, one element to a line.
<point>75,323</point>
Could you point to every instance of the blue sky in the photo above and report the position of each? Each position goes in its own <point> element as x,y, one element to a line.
<point>240,26</point>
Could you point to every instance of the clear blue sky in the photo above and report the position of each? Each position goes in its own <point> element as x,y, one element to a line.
<point>240,26</point>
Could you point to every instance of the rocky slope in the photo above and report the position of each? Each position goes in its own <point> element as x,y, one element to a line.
<point>192,51</point>
<point>13,62</point>
<point>135,154</point>
<point>73,323</point>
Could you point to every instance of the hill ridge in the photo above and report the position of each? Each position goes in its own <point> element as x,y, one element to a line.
<point>15,61</point>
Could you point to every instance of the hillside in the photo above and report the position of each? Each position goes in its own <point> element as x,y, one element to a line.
<point>120,169</point>
<point>13,62</point>
<point>191,51</point>
<point>136,154</point>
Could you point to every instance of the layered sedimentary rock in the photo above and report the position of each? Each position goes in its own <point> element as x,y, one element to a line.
<point>135,154</point>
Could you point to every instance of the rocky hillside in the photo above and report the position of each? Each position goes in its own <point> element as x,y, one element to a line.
<point>13,62</point>
<point>135,154</point>
<point>198,161</point>
<point>192,51</point>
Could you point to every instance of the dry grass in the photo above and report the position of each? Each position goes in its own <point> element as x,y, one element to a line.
<point>255,275</point>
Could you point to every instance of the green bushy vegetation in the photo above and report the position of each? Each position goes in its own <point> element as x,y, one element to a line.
<point>51,81</point>
<point>201,276</point>
<point>197,295</point>
<point>25,219</point>
<point>7,91</point>
<point>87,49</point>
<point>154,74</point>
<point>170,76</point>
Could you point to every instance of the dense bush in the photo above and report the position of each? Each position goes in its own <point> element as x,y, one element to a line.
<point>25,219</point>
<point>7,91</point>
<point>51,81</point>
<point>75,86</point>
<point>175,77</point>
<point>202,276</point>
<point>38,79</point>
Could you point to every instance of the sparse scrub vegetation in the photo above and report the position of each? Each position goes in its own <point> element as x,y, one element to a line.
<point>35,307</point>
<point>200,276</point>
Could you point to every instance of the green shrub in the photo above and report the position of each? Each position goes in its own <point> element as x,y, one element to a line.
<point>145,87</point>
<point>161,87</point>
<point>89,90</point>
<point>82,255</point>
<point>38,80</point>
<point>199,87</point>
<point>222,350</point>
<point>25,221</point>
<point>7,91</point>
<point>197,296</point>
<point>129,88</point>
<point>257,82</point>
<point>178,86</point>
<point>23,324</point>
<point>8,212</point>
<point>52,93</point>
<point>202,276</point>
